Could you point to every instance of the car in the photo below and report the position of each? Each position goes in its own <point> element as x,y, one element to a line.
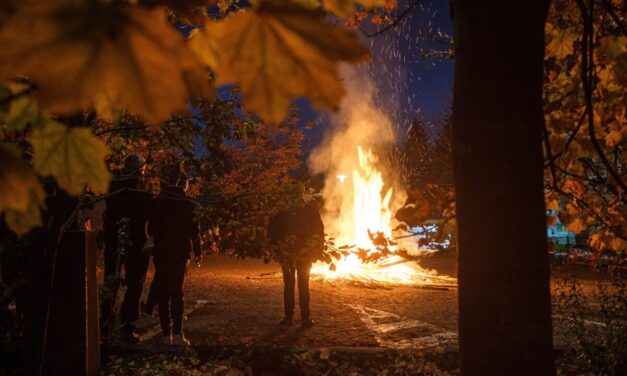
<point>580,255</point>
<point>560,256</point>
<point>605,259</point>
<point>619,265</point>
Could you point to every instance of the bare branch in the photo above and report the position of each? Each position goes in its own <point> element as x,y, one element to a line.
<point>393,24</point>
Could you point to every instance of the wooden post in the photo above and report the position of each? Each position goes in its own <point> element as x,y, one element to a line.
<point>73,338</point>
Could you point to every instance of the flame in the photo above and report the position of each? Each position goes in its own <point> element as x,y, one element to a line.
<point>372,211</point>
<point>357,196</point>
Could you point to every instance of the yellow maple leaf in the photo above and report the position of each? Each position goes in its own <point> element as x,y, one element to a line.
<point>561,41</point>
<point>277,53</point>
<point>74,156</point>
<point>78,51</point>
<point>22,221</point>
<point>18,183</point>
<point>345,8</point>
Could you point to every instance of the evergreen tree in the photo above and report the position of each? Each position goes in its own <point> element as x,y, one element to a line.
<point>441,166</point>
<point>416,156</point>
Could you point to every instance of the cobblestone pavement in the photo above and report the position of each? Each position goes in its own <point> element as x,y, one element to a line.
<point>239,302</point>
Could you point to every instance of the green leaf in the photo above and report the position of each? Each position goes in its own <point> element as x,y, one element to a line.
<point>74,156</point>
<point>21,110</point>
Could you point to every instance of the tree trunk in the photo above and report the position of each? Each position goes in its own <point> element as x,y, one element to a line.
<point>504,294</point>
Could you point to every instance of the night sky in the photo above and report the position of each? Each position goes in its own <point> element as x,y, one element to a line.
<point>406,85</point>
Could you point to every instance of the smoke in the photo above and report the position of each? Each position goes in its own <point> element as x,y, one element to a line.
<point>358,123</point>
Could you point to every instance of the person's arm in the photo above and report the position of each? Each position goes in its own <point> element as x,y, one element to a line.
<point>195,240</point>
<point>152,218</point>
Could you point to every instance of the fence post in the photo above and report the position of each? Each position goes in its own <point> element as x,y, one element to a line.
<point>73,340</point>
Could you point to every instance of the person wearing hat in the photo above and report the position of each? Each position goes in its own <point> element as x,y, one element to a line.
<point>296,236</point>
<point>126,213</point>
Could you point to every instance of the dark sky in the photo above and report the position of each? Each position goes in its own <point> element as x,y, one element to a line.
<point>406,85</point>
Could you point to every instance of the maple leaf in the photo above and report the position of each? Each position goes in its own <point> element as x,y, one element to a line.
<point>21,110</point>
<point>22,221</point>
<point>21,194</point>
<point>345,8</point>
<point>18,182</point>
<point>78,51</point>
<point>277,53</point>
<point>561,41</point>
<point>74,156</point>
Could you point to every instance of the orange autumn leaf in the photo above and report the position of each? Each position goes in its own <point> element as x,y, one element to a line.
<point>277,53</point>
<point>390,5</point>
<point>18,182</point>
<point>79,52</point>
<point>345,8</point>
<point>21,193</point>
<point>614,138</point>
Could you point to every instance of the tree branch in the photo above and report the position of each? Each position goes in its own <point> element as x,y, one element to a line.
<point>610,10</point>
<point>119,129</point>
<point>587,76</point>
<point>393,24</point>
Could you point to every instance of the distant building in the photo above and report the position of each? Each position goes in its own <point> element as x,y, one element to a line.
<point>559,234</point>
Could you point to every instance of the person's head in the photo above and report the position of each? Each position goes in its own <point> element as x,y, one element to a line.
<point>174,177</point>
<point>311,197</point>
<point>134,165</point>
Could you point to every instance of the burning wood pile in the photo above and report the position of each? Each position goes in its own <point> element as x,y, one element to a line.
<point>359,201</point>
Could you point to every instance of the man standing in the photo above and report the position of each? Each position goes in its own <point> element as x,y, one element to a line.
<point>175,233</point>
<point>297,238</point>
<point>125,218</point>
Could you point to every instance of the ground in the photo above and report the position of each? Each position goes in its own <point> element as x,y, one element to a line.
<point>230,301</point>
<point>236,304</point>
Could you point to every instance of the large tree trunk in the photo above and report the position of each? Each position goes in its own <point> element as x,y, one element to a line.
<point>504,295</point>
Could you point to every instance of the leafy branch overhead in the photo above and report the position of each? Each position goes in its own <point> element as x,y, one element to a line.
<point>84,53</point>
<point>80,53</point>
<point>277,53</point>
<point>59,58</point>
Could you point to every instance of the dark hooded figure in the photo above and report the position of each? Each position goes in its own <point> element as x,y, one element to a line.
<point>175,234</point>
<point>297,238</point>
<point>128,207</point>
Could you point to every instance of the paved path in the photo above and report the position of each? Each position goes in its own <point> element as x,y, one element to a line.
<point>239,302</point>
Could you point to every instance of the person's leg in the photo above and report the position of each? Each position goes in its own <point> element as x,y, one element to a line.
<point>163,295</point>
<point>304,269</point>
<point>111,284</point>
<point>288,292</point>
<point>178,303</point>
<point>151,300</point>
<point>136,267</point>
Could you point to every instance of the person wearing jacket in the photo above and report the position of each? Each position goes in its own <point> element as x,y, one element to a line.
<point>296,236</point>
<point>175,234</point>
<point>127,206</point>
